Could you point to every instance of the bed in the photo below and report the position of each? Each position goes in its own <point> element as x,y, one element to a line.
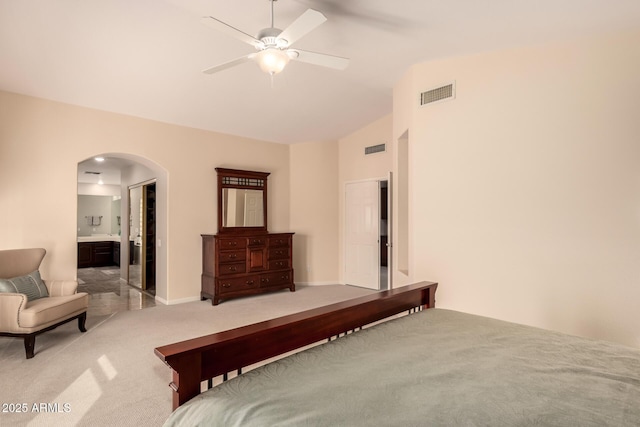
<point>430,367</point>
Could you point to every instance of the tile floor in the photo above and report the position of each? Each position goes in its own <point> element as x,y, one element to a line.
<point>108,294</point>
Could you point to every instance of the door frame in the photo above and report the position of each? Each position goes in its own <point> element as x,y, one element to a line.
<point>146,234</point>
<point>390,218</point>
<point>142,231</point>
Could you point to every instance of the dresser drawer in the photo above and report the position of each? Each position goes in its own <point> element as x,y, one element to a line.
<point>278,241</point>
<point>257,241</point>
<point>276,279</point>
<point>232,243</point>
<point>278,253</point>
<point>232,256</point>
<point>232,268</point>
<point>280,264</point>
<point>238,283</point>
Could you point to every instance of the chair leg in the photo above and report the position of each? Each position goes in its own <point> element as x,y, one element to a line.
<point>29,345</point>
<point>81,320</point>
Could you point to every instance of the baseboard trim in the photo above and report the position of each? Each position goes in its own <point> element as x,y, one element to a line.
<point>176,301</point>
<point>316,283</point>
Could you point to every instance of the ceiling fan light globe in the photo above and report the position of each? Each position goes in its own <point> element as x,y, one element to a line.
<point>272,60</point>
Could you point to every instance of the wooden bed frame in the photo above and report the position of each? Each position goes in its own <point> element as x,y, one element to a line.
<point>203,358</point>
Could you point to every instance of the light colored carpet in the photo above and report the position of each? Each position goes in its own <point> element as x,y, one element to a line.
<point>110,375</point>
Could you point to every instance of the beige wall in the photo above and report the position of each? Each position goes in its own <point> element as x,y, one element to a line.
<point>41,143</point>
<point>319,173</point>
<point>525,189</point>
<point>404,98</point>
<point>354,166</point>
<point>314,206</point>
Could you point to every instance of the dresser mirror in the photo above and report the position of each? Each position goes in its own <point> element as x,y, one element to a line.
<point>242,201</point>
<point>244,258</point>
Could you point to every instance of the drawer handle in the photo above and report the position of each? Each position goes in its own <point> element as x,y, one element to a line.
<point>249,282</point>
<point>226,285</point>
<point>233,256</point>
<point>279,263</point>
<point>279,252</point>
<point>265,280</point>
<point>285,277</point>
<point>234,243</point>
<point>233,269</point>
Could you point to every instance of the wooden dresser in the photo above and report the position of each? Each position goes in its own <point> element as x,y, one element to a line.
<point>234,266</point>
<point>244,258</point>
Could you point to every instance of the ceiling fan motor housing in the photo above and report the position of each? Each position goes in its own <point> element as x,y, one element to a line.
<point>269,38</point>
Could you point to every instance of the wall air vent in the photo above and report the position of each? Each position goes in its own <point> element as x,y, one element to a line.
<point>92,173</point>
<point>442,93</point>
<point>375,149</point>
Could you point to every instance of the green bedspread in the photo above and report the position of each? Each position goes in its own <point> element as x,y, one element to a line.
<point>435,367</point>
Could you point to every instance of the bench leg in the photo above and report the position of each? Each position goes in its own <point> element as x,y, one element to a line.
<point>81,320</point>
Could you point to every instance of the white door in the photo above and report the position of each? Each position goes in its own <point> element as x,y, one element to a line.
<point>362,233</point>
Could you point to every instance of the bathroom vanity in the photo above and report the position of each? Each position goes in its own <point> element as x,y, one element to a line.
<point>100,251</point>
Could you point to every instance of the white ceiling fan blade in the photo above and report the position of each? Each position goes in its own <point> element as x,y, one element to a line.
<point>232,31</point>
<point>331,61</point>
<point>302,26</point>
<point>229,64</point>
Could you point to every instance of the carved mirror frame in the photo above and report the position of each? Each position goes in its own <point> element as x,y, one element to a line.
<point>241,179</point>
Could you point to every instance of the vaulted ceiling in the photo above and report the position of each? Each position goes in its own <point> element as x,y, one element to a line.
<point>144,57</point>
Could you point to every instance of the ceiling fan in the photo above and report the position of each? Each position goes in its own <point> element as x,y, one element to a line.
<point>274,45</point>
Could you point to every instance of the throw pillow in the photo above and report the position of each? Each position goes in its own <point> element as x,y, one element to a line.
<point>31,285</point>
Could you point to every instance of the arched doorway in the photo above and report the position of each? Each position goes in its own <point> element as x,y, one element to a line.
<point>107,246</point>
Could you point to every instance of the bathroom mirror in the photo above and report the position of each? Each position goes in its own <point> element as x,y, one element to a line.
<point>242,201</point>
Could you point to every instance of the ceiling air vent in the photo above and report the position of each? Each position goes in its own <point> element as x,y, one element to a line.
<point>375,149</point>
<point>442,93</point>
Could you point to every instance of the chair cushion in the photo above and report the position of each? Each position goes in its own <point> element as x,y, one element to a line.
<point>31,285</point>
<point>45,311</point>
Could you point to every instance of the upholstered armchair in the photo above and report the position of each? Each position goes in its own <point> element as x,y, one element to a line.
<point>29,305</point>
